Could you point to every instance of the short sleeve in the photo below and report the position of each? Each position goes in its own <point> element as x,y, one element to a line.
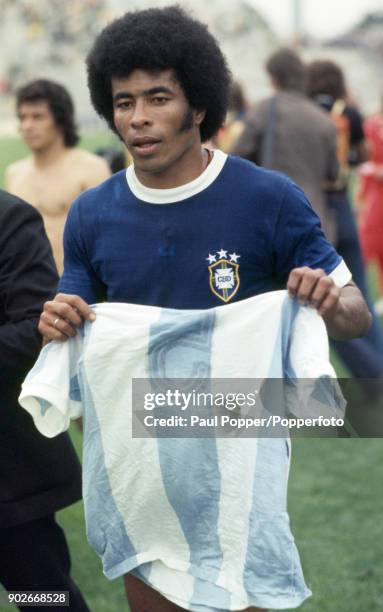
<point>79,276</point>
<point>51,391</point>
<point>299,240</point>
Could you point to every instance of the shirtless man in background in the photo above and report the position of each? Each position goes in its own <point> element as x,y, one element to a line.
<point>57,172</point>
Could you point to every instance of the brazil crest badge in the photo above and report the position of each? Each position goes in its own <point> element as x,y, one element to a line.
<point>224,274</point>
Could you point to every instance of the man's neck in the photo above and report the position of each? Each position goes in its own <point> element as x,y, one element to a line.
<point>189,167</point>
<point>50,155</point>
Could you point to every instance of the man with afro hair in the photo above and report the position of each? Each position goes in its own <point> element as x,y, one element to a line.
<point>151,236</point>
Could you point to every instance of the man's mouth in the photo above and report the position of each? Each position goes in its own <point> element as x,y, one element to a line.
<point>145,144</point>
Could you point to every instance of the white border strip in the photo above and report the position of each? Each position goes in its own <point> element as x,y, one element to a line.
<point>177,194</point>
<point>341,275</point>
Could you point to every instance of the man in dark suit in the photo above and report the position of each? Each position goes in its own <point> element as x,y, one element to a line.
<point>38,476</point>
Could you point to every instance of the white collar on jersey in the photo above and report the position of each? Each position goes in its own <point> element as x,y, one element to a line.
<point>177,194</point>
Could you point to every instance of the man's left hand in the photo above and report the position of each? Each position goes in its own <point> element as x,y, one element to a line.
<point>314,288</point>
<point>344,310</point>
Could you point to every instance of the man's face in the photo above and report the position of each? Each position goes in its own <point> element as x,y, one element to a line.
<point>37,125</point>
<point>156,122</point>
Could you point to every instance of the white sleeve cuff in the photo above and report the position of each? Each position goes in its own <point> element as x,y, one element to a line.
<point>341,275</point>
<point>51,410</point>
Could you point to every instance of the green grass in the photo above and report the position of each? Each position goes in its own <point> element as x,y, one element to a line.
<point>11,149</point>
<point>335,506</point>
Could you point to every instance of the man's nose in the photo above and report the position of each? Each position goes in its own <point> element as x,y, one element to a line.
<point>140,115</point>
<point>25,124</point>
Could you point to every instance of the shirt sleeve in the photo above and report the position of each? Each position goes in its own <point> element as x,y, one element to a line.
<point>299,240</point>
<point>79,276</point>
<point>51,391</point>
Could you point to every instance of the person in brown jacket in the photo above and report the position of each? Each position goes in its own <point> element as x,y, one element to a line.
<point>289,133</point>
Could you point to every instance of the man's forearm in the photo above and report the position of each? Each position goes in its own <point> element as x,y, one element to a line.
<point>352,319</point>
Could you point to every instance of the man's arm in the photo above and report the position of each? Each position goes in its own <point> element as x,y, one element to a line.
<point>27,278</point>
<point>7,177</point>
<point>10,173</point>
<point>314,272</point>
<point>344,310</point>
<point>79,284</point>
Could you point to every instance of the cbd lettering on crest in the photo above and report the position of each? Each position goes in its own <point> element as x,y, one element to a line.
<point>224,274</point>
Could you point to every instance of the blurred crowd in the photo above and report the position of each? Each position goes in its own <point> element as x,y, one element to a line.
<point>58,34</point>
<point>312,130</point>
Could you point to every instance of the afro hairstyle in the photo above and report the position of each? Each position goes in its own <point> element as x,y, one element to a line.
<point>159,39</point>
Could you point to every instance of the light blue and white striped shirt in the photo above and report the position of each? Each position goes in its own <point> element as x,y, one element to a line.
<point>202,520</point>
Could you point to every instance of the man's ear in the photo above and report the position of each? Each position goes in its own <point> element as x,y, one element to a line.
<point>199,116</point>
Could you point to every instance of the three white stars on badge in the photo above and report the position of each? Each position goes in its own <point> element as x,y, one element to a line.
<point>234,257</point>
<point>222,254</point>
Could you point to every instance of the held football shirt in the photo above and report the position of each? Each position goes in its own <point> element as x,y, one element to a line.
<point>201,520</point>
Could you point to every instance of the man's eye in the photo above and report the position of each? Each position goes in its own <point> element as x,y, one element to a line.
<point>124,104</point>
<point>159,100</point>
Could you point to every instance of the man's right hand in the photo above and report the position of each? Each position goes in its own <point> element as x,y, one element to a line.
<point>62,316</point>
